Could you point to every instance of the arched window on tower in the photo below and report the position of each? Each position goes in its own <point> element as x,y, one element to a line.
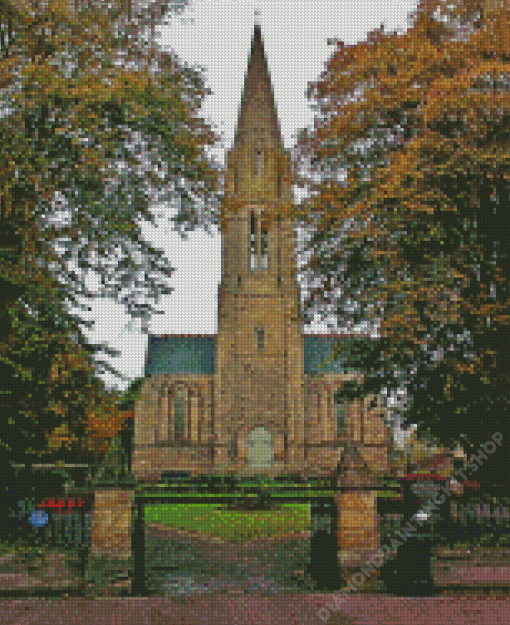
<point>260,338</point>
<point>258,163</point>
<point>253,242</point>
<point>259,244</point>
<point>264,244</point>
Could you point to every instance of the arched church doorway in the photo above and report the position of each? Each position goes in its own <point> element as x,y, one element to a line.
<point>260,452</point>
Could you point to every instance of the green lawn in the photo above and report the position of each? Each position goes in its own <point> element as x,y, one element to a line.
<point>217,520</point>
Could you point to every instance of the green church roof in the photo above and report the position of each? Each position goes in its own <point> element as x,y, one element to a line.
<point>181,353</point>
<point>195,353</point>
<point>318,348</point>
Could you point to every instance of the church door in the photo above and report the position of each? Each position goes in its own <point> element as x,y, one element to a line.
<point>260,451</point>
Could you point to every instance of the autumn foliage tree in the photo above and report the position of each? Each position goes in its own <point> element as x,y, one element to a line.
<point>100,410</point>
<point>98,122</point>
<point>408,165</point>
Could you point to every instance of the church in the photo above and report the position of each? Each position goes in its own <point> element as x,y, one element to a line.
<point>260,396</point>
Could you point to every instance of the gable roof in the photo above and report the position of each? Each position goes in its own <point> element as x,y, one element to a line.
<point>318,348</point>
<point>181,353</point>
<point>195,353</point>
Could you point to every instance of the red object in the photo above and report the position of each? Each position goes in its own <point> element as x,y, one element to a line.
<point>413,477</point>
<point>470,484</point>
<point>51,503</point>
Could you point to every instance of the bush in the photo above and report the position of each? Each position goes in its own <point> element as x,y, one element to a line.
<point>297,478</point>
<point>102,572</point>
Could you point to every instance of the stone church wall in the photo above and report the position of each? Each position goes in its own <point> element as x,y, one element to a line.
<point>323,445</point>
<point>152,453</point>
<point>363,424</point>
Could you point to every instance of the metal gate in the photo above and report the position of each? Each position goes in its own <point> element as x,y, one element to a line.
<point>173,565</point>
<point>477,521</point>
<point>324,569</point>
<point>64,525</point>
<point>61,528</point>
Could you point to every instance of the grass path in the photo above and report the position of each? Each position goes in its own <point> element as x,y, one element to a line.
<point>221,522</point>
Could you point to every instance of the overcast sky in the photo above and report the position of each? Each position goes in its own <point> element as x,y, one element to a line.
<point>216,35</point>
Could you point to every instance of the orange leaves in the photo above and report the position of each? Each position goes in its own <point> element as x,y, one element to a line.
<point>502,319</point>
<point>351,123</point>
<point>61,437</point>
<point>129,85</point>
<point>104,420</point>
<point>462,368</point>
<point>367,83</point>
<point>434,122</point>
<point>6,70</point>
<point>104,423</point>
<point>58,8</point>
<point>401,180</point>
<point>387,74</point>
<point>494,37</point>
<point>465,98</point>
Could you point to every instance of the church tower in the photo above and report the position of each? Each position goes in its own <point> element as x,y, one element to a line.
<point>237,400</point>
<point>259,420</point>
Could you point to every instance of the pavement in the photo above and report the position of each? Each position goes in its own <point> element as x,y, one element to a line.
<point>476,591</point>
<point>285,609</point>
<point>449,575</point>
<point>480,567</point>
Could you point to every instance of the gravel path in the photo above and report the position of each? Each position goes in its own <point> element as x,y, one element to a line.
<point>206,564</point>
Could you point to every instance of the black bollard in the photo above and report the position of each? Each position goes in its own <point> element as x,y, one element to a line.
<point>474,527</point>
<point>408,573</point>
<point>416,567</point>
<point>324,568</point>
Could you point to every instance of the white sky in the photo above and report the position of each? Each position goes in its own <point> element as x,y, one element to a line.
<point>216,35</point>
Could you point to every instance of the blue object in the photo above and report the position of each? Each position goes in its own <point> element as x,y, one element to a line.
<point>39,518</point>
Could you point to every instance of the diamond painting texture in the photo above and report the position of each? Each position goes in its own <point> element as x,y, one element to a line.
<point>244,483</point>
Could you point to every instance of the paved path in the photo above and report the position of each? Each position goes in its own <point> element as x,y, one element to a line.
<point>377,610</point>
<point>200,561</point>
<point>485,566</point>
<point>487,556</point>
<point>471,575</point>
<point>263,566</point>
<point>285,609</point>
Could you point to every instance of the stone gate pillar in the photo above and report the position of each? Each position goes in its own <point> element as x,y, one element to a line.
<point>357,529</point>
<point>114,487</point>
<point>111,523</point>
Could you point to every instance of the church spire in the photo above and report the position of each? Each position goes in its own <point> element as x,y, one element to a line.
<point>258,166</point>
<point>257,114</point>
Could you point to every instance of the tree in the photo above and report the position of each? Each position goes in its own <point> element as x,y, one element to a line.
<point>97,123</point>
<point>102,428</point>
<point>410,213</point>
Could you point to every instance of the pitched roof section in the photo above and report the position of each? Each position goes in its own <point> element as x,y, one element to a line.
<point>195,353</point>
<point>258,106</point>
<point>318,348</point>
<point>181,353</point>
